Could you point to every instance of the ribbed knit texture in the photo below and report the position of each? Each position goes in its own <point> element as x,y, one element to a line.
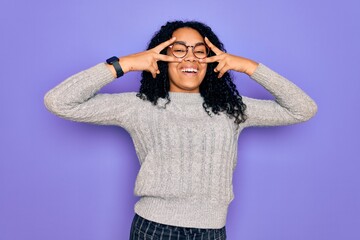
<point>187,158</point>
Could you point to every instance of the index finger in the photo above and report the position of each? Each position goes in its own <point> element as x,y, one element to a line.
<point>213,47</point>
<point>166,58</point>
<point>163,45</point>
<point>212,59</point>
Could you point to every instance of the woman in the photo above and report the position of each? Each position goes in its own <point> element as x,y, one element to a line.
<point>185,123</point>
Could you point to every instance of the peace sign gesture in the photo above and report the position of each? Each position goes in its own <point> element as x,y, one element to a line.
<point>227,61</point>
<point>147,60</point>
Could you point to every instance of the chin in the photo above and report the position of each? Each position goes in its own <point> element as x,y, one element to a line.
<point>191,87</point>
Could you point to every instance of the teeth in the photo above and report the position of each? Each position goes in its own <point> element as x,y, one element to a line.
<point>190,70</point>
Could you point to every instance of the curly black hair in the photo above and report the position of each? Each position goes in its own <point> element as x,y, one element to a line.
<point>220,95</point>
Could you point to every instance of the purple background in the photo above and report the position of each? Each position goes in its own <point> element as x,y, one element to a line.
<point>74,181</point>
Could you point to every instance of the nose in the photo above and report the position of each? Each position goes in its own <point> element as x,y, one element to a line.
<point>190,55</point>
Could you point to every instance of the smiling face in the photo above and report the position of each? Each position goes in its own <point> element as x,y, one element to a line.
<point>187,75</point>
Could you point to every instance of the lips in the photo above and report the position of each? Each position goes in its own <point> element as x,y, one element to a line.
<point>189,70</point>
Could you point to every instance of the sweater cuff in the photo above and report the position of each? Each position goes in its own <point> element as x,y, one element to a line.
<point>262,73</point>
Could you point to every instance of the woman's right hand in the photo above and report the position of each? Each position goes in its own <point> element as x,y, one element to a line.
<point>147,60</point>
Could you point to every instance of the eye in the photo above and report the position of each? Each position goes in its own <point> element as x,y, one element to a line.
<point>200,48</point>
<point>200,51</point>
<point>178,47</point>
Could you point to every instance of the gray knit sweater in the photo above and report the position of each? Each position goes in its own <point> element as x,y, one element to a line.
<point>187,158</point>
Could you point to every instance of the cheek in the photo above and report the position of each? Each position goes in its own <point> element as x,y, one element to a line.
<point>171,68</point>
<point>204,70</point>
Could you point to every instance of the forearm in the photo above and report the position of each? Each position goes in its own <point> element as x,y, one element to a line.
<point>77,88</point>
<point>291,104</point>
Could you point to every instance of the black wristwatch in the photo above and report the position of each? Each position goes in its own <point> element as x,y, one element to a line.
<point>115,62</point>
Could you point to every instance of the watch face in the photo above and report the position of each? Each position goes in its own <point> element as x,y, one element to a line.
<point>112,59</point>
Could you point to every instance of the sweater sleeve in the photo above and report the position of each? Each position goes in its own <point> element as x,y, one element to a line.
<point>76,99</point>
<point>291,105</point>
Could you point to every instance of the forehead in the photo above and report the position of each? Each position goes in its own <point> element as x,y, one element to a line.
<point>188,35</point>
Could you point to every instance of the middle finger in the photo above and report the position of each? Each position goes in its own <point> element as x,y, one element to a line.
<point>163,45</point>
<point>213,47</point>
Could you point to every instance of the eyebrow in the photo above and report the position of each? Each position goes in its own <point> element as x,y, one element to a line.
<point>182,42</point>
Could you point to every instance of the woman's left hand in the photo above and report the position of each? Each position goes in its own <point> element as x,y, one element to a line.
<point>227,61</point>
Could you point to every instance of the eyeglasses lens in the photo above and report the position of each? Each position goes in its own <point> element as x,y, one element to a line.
<point>180,50</point>
<point>200,51</point>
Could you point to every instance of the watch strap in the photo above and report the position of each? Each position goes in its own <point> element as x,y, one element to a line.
<point>115,62</point>
<point>118,69</point>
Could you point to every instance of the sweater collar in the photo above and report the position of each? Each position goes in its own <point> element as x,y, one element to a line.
<point>183,97</point>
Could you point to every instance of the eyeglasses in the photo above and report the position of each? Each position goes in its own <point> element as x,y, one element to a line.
<point>180,50</point>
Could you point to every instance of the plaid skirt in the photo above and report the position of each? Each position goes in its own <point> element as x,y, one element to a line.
<point>143,229</point>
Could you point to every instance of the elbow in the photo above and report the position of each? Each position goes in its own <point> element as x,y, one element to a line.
<point>49,102</point>
<point>57,105</point>
<point>314,109</point>
<point>52,104</point>
<point>309,111</point>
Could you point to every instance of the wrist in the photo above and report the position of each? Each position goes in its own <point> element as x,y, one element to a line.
<point>251,67</point>
<point>114,61</point>
<point>124,65</point>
